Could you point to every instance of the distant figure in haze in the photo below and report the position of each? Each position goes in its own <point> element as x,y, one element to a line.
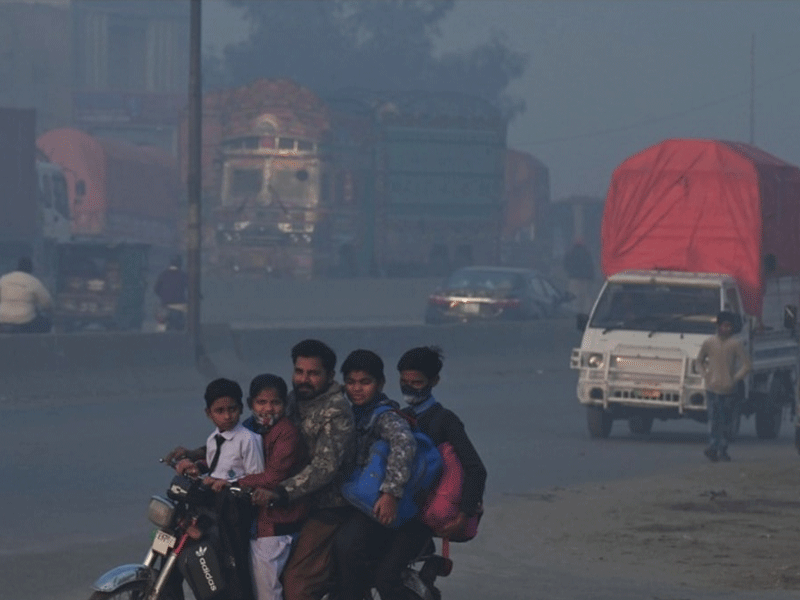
<point>171,287</point>
<point>580,272</point>
<point>23,301</point>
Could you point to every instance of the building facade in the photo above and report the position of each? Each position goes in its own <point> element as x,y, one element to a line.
<point>130,68</point>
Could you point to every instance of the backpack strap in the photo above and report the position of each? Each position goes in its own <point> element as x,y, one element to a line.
<point>377,412</point>
<point>438,418</point>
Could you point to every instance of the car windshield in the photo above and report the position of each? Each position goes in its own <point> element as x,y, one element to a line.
<point>657,307</point>
<point>474,279</point>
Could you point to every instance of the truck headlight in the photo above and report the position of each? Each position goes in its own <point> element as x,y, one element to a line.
<point>595,361</point>
<point>160,511</point>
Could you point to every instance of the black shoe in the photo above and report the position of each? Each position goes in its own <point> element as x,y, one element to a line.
<point>711,454</point>
<point>723,456</point>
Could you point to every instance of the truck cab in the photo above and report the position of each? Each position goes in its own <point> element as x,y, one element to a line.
<point>637,359</point>
<point>53,202</point>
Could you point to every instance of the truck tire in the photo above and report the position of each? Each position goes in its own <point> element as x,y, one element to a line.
<point>640,424</point>
<point>599,421</point>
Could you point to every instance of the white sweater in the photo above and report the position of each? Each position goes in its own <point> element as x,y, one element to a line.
<point>21,297</point>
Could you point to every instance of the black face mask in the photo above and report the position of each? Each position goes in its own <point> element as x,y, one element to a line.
<point>413,395</point>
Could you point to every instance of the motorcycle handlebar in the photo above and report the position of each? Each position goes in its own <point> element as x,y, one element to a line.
<point>237,491</point>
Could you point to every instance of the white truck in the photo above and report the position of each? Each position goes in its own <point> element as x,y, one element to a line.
<point>690,228</point>
<point>637,359</point>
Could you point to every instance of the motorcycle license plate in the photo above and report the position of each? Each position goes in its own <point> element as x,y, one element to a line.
<point>162,542</point>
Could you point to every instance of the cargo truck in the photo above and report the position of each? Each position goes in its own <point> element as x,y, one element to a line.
<point>690,228</point>
<point>123,205</point>
<point>360,183</point>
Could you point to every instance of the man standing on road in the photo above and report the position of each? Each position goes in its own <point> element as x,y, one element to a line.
<point>23,298</point>
<point>724,364</point>
<point>171,288</point>
<point>328,430</point>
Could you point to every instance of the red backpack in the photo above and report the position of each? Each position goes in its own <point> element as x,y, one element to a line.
<point>442,505</point>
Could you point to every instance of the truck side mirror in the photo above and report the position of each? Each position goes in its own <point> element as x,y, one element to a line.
<point>581,321</point>
<point>789,317</point>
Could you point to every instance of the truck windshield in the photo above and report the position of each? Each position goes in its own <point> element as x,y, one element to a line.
<point>657,307</point>
<point>294,187</point>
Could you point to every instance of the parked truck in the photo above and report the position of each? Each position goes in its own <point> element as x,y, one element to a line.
<point>263,178</point>
<point>359,183</point>
<point>690,228</point>
<point>123,206</point>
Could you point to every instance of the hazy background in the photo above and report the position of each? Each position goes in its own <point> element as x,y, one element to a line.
<point>606,79</point>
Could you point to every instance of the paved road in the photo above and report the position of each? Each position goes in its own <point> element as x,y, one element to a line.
<point>77,479</point>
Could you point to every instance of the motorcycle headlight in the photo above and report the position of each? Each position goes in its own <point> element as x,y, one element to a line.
<point>160,511</point>
<point>594,361</point>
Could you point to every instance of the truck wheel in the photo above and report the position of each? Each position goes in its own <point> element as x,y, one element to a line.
<point>640,424</point>
<point>599,421</point>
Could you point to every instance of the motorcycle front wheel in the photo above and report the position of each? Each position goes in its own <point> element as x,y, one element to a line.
<point>136,590</point>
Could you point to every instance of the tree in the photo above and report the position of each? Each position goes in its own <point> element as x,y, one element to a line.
<point>386,45</point>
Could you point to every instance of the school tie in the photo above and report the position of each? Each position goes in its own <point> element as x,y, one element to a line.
<point>220,439</point>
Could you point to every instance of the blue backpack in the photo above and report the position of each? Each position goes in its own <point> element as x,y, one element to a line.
<point>362,487</point>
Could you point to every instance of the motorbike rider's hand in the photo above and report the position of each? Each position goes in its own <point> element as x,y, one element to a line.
<point>453,526</point>
<point>385,509</point>
<point>187,467</point>
<point>175,455</point>
<point>263,497</point>
<point>215,484</point>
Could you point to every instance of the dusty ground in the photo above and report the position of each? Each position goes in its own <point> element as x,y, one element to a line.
<point>733,526</point>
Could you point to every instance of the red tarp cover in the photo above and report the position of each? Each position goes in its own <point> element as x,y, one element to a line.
<point>704,206</point>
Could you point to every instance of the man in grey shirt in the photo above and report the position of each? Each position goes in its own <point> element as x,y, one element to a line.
<point>724,364</point>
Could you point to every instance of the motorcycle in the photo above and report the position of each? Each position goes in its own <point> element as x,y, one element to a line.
<point>185,539</point>
<point>420,574</point>
<point>171,317</point>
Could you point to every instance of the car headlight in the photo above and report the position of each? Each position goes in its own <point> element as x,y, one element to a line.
<point>160,511</point>
<point>595,361</point>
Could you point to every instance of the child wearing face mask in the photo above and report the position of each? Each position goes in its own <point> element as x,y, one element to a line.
<point>284,456</point>
<point>419,373</point>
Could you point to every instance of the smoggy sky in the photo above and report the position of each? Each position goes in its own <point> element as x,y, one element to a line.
<point>606,79</point>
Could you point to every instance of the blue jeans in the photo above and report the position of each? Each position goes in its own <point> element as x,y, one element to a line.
<point>720,419</point>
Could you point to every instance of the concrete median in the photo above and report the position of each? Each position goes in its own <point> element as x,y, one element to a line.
<point>98,365</point>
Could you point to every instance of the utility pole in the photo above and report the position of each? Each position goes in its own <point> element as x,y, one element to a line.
<point>753,90</point>
<point>194,176</point>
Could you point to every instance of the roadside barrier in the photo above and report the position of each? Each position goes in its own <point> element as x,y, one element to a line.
<point>99,364</point>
